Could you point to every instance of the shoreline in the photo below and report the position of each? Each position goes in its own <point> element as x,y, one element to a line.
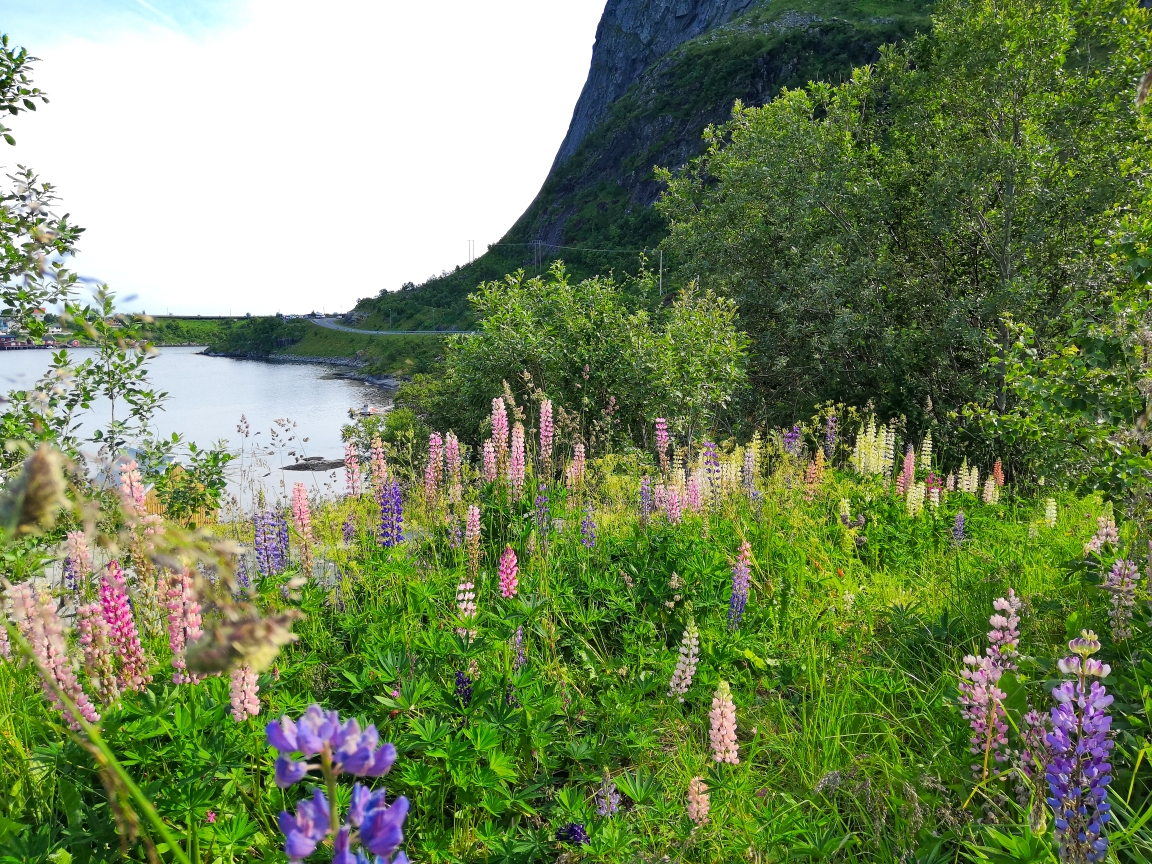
<point>386,382</point>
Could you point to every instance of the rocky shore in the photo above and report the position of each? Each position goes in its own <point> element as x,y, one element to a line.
<point>351,363</point>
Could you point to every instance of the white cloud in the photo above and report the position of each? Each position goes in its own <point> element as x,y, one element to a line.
<point>309,155</point>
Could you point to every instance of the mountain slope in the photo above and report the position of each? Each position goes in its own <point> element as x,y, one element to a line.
<point>661,71</point>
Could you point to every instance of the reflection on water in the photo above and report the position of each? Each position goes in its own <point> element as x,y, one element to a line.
<point>208,395</point>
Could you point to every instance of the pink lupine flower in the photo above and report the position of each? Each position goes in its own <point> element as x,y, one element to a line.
<point>998,472</point>
<point>982,705</point>
<point>35,616</point>
<point>547,431</point>
<point>466,606</point>
<point>435,467</point>
<point>698,801</point>
<point>950,483</point>
<point>723,731</point>
<point>686,666</point>
<point>245,694</point>
<point>908,474</point>
<point>660,496</point>
<point>472,539</point>
<point>302,516</point>
<point>508,571</point>
<point>378,465</point>
<point>500,426</point>
<point>576,468</point>
<point>132,486</point>
<point>452,464</point>
<point>1106,534</point>
<point>1004,637</point>
<point>516,461</point>
<point>5,644</point>
<point>134,674</point>
<point>695,501</point>
<point>489,461</point>
<point>662,442</point>
<point>351,470</point>
<point>183,623</point>
<point>96,645</point>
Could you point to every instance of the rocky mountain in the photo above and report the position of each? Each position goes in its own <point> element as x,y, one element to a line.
<point>661,71</point>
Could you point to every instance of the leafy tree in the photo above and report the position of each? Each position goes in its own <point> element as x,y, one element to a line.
<point>876,232</point>
<point>588,347</point>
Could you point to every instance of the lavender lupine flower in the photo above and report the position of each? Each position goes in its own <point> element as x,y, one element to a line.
<point>1004,637</point>
<point>1106,535</point>
<point>588,529</point>
<point>607,798</point>
<point>547,433</point>
<point>748,471</point>
<point>96,644</point>
<point>574,833</point>
<point>686,665</point>
<point>1079,773</point>
<point>830,437</point>
<point>78,564</point>
<point>343,747</point>
<point>500,427</point>
<point>263,542</point>
<point>1034,754</point>
<point>508,571</point>
<point>244,692</point>
<point>698,801</point>
<point>792,441</point>
<point>543,522</point>
<point>34,614</point>
<point>456,537</point>
<point>351,470</point>
<point>243,579</point>
<point>519,658</point>
<point>391,515</point>
<point>741,574</point>
<point>1121,583</point>
<point>981,699</point>
<point>280,550</point>
<point>723,723</point>
<point>958,528</point>
<point>645,500</point>
<point>463,689</point>
<point>134,674</point>
<point>516,462</point>
<point>348,529</point>
<point>435,467</point>
<point>662,442</point>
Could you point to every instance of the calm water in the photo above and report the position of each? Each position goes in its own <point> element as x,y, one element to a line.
<point>207,396</point>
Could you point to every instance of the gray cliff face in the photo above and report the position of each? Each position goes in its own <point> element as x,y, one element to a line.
<point>631,36</point>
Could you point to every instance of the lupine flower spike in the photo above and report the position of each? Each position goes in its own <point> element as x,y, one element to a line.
<point>981,699</point>
<point>588,529</point>
<point>302,517</point>
<point>576,468</point>
<point>183,623</point>
<point>508,572</point>
<point>244,692</point>
<point>134,674</point>
<point>472,540</point>
<point>698,801</point>
<point>662,442</point>
<point>500,428</point>
<point>34,614</point>
<point>607,798</point>
<point>1121,583</point>
<point>723,722</point>
<point>1079,773</point>
<point>434,468</point>
<point>351,470</point>
<point>78,564</point>
<point>741,573</point>
<point>1050,512</point>
<point>489,462</point>
<point>547,433</point>
<point>96,644</point>
<point>516,462</point>
<point>686,665</point>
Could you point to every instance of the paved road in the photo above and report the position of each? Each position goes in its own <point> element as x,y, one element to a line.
<point>331,324</point>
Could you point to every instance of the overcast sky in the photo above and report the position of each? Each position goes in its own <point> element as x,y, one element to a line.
<point>279,155</point>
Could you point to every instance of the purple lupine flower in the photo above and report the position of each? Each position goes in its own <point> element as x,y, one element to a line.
<point>574,833</point>
<point>741,574</point>
<point>345,746</point>
<point>542,513</point>
<point>712,468</point>
<point>662,442</point>
<point>748,471</point>
<point>263,564</point>
<point>792,441</point>
<point>391,515</point>
<point>607,798</point>
<point>1079,773</point>
<point>243,580</point>
<point>281,550</point>
<point>381,831</point>
<point>308,828</point>
<point>958,528</point>
<point>830,437</point>
<point>981,699</point>
<point>380,827</point>
<point>520,659</point>
<point>348,529</point>
<point>397,513</point>
<point>456,538</point>
<point>463,689</point>
<point>645,499</point>
<point>588,529</point>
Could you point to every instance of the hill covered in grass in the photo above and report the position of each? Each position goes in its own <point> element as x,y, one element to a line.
<point>600,191</point>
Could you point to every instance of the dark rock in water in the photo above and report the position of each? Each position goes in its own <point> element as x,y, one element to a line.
<point>316,463</point>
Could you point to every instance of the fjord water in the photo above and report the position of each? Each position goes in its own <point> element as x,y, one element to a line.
<point>207,396</point>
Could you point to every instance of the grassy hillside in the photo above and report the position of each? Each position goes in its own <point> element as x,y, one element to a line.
<point>601,197</point>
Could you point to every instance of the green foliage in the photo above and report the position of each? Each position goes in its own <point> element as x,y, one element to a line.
<point>189,488</point>
<point>874,233</point>
<point>259,337</point>
<point>586,345</point>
